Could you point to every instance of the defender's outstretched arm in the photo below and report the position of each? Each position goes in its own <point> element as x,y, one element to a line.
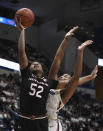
<point>72,84</point>
<point>87,78</point>
<point>59,54</point>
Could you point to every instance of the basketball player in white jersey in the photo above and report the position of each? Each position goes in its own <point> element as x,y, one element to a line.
<point>54,103</point>
<point>58,98</point>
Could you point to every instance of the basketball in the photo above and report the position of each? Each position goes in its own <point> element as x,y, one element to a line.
<point>26,15</point>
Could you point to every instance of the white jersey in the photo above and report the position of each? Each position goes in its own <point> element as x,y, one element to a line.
<point>54,104</point>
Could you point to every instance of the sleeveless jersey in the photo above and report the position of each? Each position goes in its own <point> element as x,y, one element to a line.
<point>34,93</point>
<point>54,104</point>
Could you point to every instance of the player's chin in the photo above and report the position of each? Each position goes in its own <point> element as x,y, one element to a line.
<point>37,70</point>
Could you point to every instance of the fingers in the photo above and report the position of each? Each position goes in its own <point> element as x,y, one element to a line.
<point>95,76</point>
<point>19,20</point>
<point>88,42</point>
<point>96,69</point>
<point>74,29</point>
<point>71,34</point>
<point>16,21</point>
<point>94,73</point>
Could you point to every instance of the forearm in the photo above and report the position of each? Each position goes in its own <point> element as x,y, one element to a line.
<point>73,82</point>
<point>81,48</point>
<point>85,79</point>
<point>69,91</point>
<point>78,67</point>
<point>71,86</point>
<point>58,58</point>
<point>21,50</point>
<point>60,53</point>
<point>21,42</point>
<point>61,49</point>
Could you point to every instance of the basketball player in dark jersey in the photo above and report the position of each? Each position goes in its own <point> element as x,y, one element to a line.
<point>34,91</point>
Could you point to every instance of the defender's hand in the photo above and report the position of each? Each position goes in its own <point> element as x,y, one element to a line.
<point>71,32</point>
<point>86,43</point>
<point>94,73</point>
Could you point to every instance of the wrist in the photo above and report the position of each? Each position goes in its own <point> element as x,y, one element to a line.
<point>90,76</point>
<point>80,48</point>
<point>66,38</point>
<point>21,30</point>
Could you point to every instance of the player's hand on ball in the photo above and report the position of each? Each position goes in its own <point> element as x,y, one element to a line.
<point>71,32</point>
<point>94,73</point>
<point>85,44</point>
<point>18,24</point>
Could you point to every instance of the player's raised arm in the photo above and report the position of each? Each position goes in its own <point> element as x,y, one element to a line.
<point>59,54</point>
<point>78,68</point>
<point>73,83</point>
<point>21,46</point>
<point>87,78</point>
